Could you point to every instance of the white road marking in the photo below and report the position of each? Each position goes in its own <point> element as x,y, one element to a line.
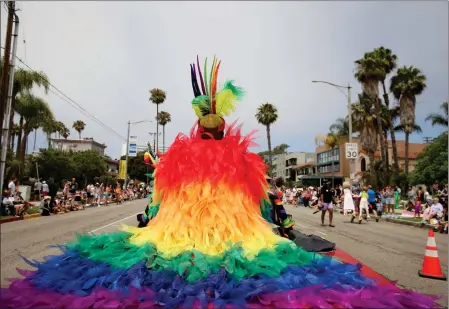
<point>114,222</point>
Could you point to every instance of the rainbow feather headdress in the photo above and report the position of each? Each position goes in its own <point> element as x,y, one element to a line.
<point>210,104</point>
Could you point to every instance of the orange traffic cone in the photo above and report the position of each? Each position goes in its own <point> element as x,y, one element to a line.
<point>431,267</point>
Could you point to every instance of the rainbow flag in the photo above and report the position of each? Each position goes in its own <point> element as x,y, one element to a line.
<point>207,246</point>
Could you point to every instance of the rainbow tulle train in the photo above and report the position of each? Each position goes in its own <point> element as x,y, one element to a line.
<point>208,246</point>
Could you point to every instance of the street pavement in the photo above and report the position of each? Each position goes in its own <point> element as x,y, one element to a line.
<point>395,251</point>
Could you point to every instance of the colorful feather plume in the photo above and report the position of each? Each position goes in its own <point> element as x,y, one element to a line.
<point>208,99</point>
<point>148,158</point>
<point>226,98</point>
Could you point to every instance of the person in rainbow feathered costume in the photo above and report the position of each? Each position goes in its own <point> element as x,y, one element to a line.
<point>208,243</point>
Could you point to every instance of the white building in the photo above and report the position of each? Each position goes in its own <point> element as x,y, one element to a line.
<point>78,145</point>
<point>284,165</point>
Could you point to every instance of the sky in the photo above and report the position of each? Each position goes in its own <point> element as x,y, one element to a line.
<point>106,56</point>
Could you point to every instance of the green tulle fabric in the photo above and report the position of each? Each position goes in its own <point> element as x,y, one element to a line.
<point>115,250</point>
<point>265,210</point>
<point>153,210</point>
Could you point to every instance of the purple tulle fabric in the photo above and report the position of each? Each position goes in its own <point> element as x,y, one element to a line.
<point>21,294</point>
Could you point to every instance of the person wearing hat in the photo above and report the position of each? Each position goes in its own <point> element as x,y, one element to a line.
<point>45,189</point>
<point>45,208</point>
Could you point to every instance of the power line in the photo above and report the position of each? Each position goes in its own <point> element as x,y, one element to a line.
<point>74,104</point>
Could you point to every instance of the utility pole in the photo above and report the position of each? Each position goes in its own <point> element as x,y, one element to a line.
<point>427,139</point>
<point>5,131</point>
<point>127,154</point>
<point>6,60</point>
<point>154,134</point>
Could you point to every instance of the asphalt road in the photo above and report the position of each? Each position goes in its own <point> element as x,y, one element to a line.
<point>395,251</point>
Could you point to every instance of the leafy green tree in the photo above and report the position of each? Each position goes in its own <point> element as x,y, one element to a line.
<point>88,164</point>
<point>55,164</point>
<point>332,141</point>
<point>431,164</point>
<point>267,114</point>
<point>280,149</point>
<point>137,168</point>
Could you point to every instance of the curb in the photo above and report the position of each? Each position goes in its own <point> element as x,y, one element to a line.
<point>404,222</point>
<point>26,217</point>
<point>13,219</point>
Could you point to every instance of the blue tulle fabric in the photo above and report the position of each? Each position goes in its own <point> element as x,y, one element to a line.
<point>70,273</point>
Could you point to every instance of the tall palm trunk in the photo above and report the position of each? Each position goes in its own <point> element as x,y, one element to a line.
<point>163,138</point>
<point>391,128</point>
<point>371,159</point>
<point>11,141</point>
<point>270,158</point>
<point>387,157</point>
<point>23,151</point>
<point>380,130</point>
<point>34,143</point>
<point>19,137</point>
<point>407,135</point>
<point>11,120</point>
<point>157,129</point>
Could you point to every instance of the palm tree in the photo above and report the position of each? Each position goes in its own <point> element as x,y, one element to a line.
<point>24,81</point>
<point>267,114</point>
<point>332,140</point>
<point>163,118</point>
<point>34,111</point>
<point>65,132</point>
<point>79,126</point>
<point>370,71</point>
<point>157,96</point>
<point>439,119</point>
<point>405,86</point>
<point>365,122</point>
<point>14,133</point>
<point>389,117</point>
<point>340,127</point>
<point>388,63</point>
<point>49,126</point>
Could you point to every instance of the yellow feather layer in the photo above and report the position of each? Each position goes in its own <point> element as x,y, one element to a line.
<point>226,102</point>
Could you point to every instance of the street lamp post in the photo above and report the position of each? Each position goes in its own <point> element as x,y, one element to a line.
<point>348,88</point>
<point>127,148</point>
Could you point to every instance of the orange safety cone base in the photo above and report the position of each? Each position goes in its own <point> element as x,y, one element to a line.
<point>442,277</point>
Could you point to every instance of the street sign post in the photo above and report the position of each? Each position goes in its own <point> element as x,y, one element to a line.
<point>132,146</point>
<point>351,150</point>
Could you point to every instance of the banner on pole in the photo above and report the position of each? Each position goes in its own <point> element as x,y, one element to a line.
<point>122,170</point>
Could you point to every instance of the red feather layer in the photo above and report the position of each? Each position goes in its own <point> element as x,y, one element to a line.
<point>191,159</point>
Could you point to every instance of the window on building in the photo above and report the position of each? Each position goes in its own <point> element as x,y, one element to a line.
<point>363,165</point>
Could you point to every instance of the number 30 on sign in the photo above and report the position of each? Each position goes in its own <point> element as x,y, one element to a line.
<point>352,150</point>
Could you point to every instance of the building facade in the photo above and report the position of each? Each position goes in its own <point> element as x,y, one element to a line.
<point>85,145</point>
<point>78,145</point>
<point>284,164</point>
<point>328,160</point>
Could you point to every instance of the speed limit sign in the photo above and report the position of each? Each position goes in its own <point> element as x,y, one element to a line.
<point>352,150</point>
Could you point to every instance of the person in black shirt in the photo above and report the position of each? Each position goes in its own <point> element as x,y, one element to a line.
<point>326,203</point>
<point>73,186</point>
